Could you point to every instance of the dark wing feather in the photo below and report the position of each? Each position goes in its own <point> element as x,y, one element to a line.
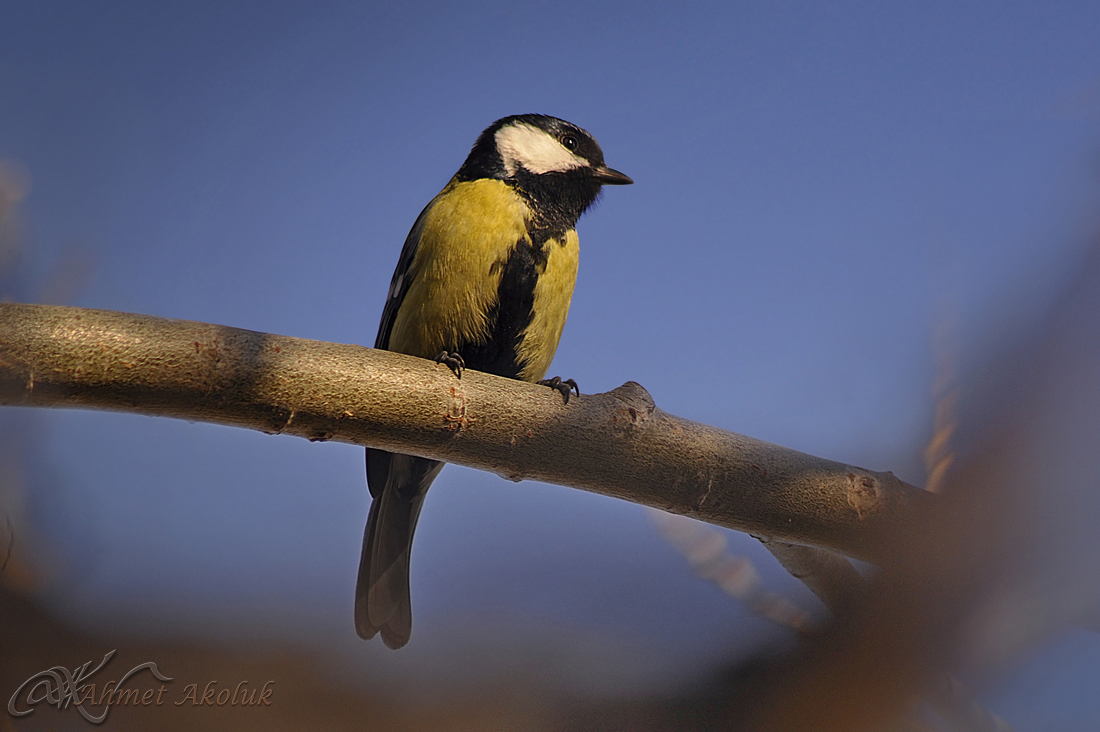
<point>399,283</point>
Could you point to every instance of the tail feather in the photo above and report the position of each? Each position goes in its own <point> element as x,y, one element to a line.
<point>382,603</point>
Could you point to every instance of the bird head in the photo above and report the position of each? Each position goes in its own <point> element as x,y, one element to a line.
<point>525,145</point>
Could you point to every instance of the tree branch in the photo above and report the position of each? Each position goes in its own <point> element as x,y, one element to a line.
<point>830,577</point>
<point>617,443</point>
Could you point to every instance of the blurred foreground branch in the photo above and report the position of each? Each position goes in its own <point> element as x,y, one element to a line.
<point>1011,558</point>
<point>617,443</point>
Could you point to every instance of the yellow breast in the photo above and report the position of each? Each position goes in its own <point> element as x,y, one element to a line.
<point>467,235</point>
<point>467,229</point>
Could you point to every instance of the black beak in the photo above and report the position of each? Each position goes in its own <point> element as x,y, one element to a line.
<point>610,177</point>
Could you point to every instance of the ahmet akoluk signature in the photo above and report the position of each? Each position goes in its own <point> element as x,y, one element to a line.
<point>59,687</point>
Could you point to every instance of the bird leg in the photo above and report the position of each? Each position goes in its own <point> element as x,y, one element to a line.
<point>565,387</point>
<point>453,361</point>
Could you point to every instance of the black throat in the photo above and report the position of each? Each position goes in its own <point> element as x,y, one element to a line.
<point>556,200</point>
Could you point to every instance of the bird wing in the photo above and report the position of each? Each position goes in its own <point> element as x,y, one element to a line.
<point>402,278</point>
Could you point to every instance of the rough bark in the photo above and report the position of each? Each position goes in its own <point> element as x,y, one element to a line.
<point>617,443</point>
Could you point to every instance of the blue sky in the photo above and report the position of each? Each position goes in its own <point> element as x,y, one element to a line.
<point>816,185</point>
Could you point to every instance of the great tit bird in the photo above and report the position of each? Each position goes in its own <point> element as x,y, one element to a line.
<point>483,282</point>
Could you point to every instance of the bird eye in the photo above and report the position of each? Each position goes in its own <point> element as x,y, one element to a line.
<point>570,143</point>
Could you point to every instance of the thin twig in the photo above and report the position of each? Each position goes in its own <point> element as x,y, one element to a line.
<point>705,549</point>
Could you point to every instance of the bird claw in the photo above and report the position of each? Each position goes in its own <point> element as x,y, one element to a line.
<point>453,361</point>
<point>564,387</point>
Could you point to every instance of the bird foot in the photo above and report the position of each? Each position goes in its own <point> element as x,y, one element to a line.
<point>453,361</point>
<point>565,387</point>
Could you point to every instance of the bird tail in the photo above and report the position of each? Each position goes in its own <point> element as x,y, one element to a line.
<point>398,484</point>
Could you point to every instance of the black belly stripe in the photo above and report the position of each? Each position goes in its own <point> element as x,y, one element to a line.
<point>510,315</point>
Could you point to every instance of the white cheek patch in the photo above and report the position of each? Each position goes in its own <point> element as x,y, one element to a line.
<point>538,152</point>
